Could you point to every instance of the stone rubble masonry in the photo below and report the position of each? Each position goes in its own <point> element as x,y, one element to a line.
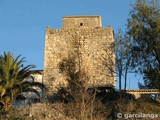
<point>93,43</point>
<point>79,21</point>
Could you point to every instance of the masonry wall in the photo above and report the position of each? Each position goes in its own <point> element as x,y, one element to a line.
<point>82,21</point>
<point>95,50</point>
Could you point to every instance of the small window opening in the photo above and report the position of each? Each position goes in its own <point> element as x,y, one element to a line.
<point>81,24</point>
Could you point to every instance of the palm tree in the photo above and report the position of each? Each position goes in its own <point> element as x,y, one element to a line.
<point>12,82</point>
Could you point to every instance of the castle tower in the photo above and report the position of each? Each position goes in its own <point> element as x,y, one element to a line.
<point>82,37</point>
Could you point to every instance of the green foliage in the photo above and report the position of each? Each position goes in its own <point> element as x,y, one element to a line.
<point>144,30</point>
<point>75,78</point>
<point>78,101</point>
<point>12,83</point>
<point>151,79</point>
<point>68,67</point>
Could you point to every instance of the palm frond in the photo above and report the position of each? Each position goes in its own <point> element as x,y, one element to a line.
<point>32,90</point>
<point>20,97</point>
<point>33,84</point>
<point>12,75</point>
<point>25,72</point>
<point>2,102</point>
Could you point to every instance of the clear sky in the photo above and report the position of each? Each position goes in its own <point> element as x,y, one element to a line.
<point>23,22</point>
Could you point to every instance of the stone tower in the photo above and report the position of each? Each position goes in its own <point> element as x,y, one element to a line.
<point>86,35</point>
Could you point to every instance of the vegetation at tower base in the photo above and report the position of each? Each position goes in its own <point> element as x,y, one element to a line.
<point>75,98</point>
<point>144,31</point>
<point>79,100</point>
<point>12,80</point>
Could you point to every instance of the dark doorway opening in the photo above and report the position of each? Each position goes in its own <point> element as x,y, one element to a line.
<point>81,24</point>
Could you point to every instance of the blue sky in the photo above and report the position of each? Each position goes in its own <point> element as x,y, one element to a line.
<point>23,23</point>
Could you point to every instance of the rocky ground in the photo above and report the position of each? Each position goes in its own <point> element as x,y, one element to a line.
<point>38,111</point>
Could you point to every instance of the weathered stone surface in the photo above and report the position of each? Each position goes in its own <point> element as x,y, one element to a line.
<point>82,21</point>
<point>93,44</point>
<point>39,111</point>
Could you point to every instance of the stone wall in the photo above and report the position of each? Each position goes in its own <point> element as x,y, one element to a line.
<point>94,50</point>
<point>82,21</point>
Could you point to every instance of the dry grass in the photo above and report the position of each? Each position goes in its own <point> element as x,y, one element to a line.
<point>83,110</point>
